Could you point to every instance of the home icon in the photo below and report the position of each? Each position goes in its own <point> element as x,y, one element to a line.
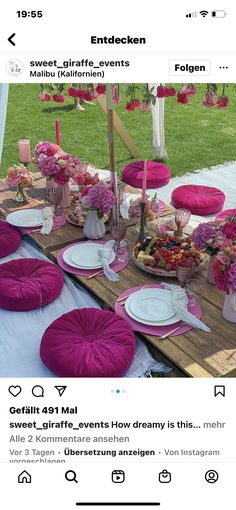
<point>24,477</point>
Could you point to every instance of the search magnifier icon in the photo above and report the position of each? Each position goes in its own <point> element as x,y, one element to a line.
<point>70,476</point>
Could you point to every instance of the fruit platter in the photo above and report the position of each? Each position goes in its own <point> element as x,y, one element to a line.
<point>159,255</point>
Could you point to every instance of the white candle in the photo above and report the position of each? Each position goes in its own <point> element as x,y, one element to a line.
<point>24,151</point>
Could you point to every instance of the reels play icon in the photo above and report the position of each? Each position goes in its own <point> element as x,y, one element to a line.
<point>118,476</point>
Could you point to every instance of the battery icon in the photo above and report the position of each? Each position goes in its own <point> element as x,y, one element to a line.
<point>218,14</point>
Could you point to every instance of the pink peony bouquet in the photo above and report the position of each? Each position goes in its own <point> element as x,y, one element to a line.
<point>210,237</point>
<point>100,198</point>
<point>18,175</point>
<point>54,163</point>
<point>224,267</point>
<point>85,179</point>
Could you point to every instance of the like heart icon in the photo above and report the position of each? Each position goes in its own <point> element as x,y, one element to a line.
<point>14,390</point>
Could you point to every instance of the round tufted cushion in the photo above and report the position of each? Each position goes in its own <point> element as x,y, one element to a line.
<point>27,284</point>
<point>158,175</point>
<point>202,200</point>
<point>9,239</point>
<point>227,212</point>
<point>88,343</point>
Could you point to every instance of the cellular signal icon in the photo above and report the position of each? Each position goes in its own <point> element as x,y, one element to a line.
<point>191,14</point>
<point>204,13</point>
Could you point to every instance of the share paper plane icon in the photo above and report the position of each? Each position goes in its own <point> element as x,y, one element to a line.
<point>60,389</point>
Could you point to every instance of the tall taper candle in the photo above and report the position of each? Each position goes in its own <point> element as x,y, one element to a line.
<point>58,140</point>
<point>144,187</point>
<point>24,151</point>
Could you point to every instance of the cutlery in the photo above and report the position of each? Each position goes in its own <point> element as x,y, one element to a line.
<point>95,274</point>
<point>173,331</point>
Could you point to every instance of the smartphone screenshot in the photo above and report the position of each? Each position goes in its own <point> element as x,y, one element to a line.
<point>117,255</point>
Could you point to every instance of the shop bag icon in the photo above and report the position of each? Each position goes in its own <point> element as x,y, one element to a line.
<point>164,476</point>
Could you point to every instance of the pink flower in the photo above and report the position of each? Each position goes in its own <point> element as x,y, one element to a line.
<point>87,96</point>
<point>161,91</point>
<point>144,106</point>
<point>13,178</point>
<point>99,197</point>
<point>60,177</point>
<point>44,96</point>
<point>18,175</point>
<point>232,276</point>
<point>229,230</point>
<point>116,99</point>
<point>81,93</point>
<point>72,92</point>
<point>129,107</point>
<point>209,99</point>
<point>170,92</point>
<point>101,89</point>
<point>222,102</point>
<point>94,94</point>
<point>135,103</point>
<point>182,97</point>
<point>58,98</point>
<point>191,90</point>
<point>79,179</point>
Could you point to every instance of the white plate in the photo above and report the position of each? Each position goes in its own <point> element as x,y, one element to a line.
<point>152,304</point>
<point>85,256</point>
<point>172,320</point>
<point>25,218</point>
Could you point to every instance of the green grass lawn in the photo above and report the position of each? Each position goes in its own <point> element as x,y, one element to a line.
<point>196,136</point>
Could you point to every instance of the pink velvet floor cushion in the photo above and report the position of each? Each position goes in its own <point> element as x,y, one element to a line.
<point>227,212</point>
<point>88,343</point>
<point>202,200</point>
<point>28,284</point>
<point>9,239</point>
<point>158,175</point>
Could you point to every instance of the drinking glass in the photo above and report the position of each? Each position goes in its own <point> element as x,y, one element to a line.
<point>182,217</point>
<point>118,231</point>
<point>185,270</point>
<point>54,196</point>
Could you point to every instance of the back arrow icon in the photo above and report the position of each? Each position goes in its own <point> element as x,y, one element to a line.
<point>10,39</point>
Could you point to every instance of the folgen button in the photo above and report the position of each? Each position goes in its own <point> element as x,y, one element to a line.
<point>195,67</point>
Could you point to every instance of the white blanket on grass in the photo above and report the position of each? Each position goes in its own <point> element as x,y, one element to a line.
<point>21,332</point>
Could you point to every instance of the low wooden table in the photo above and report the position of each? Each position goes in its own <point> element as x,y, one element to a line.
<point>195,354</point>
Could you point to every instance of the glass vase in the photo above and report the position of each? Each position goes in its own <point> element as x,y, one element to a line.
<point>66,200</point>
<point>94,227</point>
<point>20,197</point>
<point>210,274</point>
<point>229,308</point>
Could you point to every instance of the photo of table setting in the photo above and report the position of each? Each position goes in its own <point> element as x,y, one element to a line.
<point>100,277</point>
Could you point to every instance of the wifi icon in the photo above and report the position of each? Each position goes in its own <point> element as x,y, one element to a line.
<point>204,13</point>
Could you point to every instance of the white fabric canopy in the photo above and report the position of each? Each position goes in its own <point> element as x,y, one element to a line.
<point>4,87</point>
<point>158,114</point>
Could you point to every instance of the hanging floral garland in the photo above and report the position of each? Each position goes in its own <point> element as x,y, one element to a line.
<point>138,96</point>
